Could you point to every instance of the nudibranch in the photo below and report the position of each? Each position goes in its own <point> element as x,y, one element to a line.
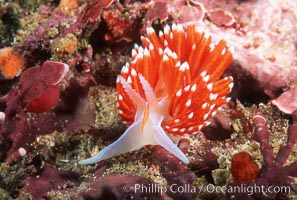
<point>171,88</point>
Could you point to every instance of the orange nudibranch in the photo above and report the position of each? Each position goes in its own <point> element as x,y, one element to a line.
<point>172,86</point>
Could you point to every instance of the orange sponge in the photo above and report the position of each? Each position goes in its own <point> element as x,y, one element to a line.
<point>11,63</point>
<point>243,168</point>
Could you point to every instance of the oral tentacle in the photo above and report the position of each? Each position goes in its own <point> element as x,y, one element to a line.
<point>132,139</point>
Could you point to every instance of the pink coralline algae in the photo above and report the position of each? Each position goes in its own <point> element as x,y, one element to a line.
<point>186,11</point>
<point>287,102</point>
<point>221,17</point>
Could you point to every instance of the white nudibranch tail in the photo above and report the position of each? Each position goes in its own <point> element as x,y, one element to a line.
<point>172,86</point>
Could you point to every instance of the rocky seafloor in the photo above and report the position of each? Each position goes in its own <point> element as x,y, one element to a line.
<point>51,119</point>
